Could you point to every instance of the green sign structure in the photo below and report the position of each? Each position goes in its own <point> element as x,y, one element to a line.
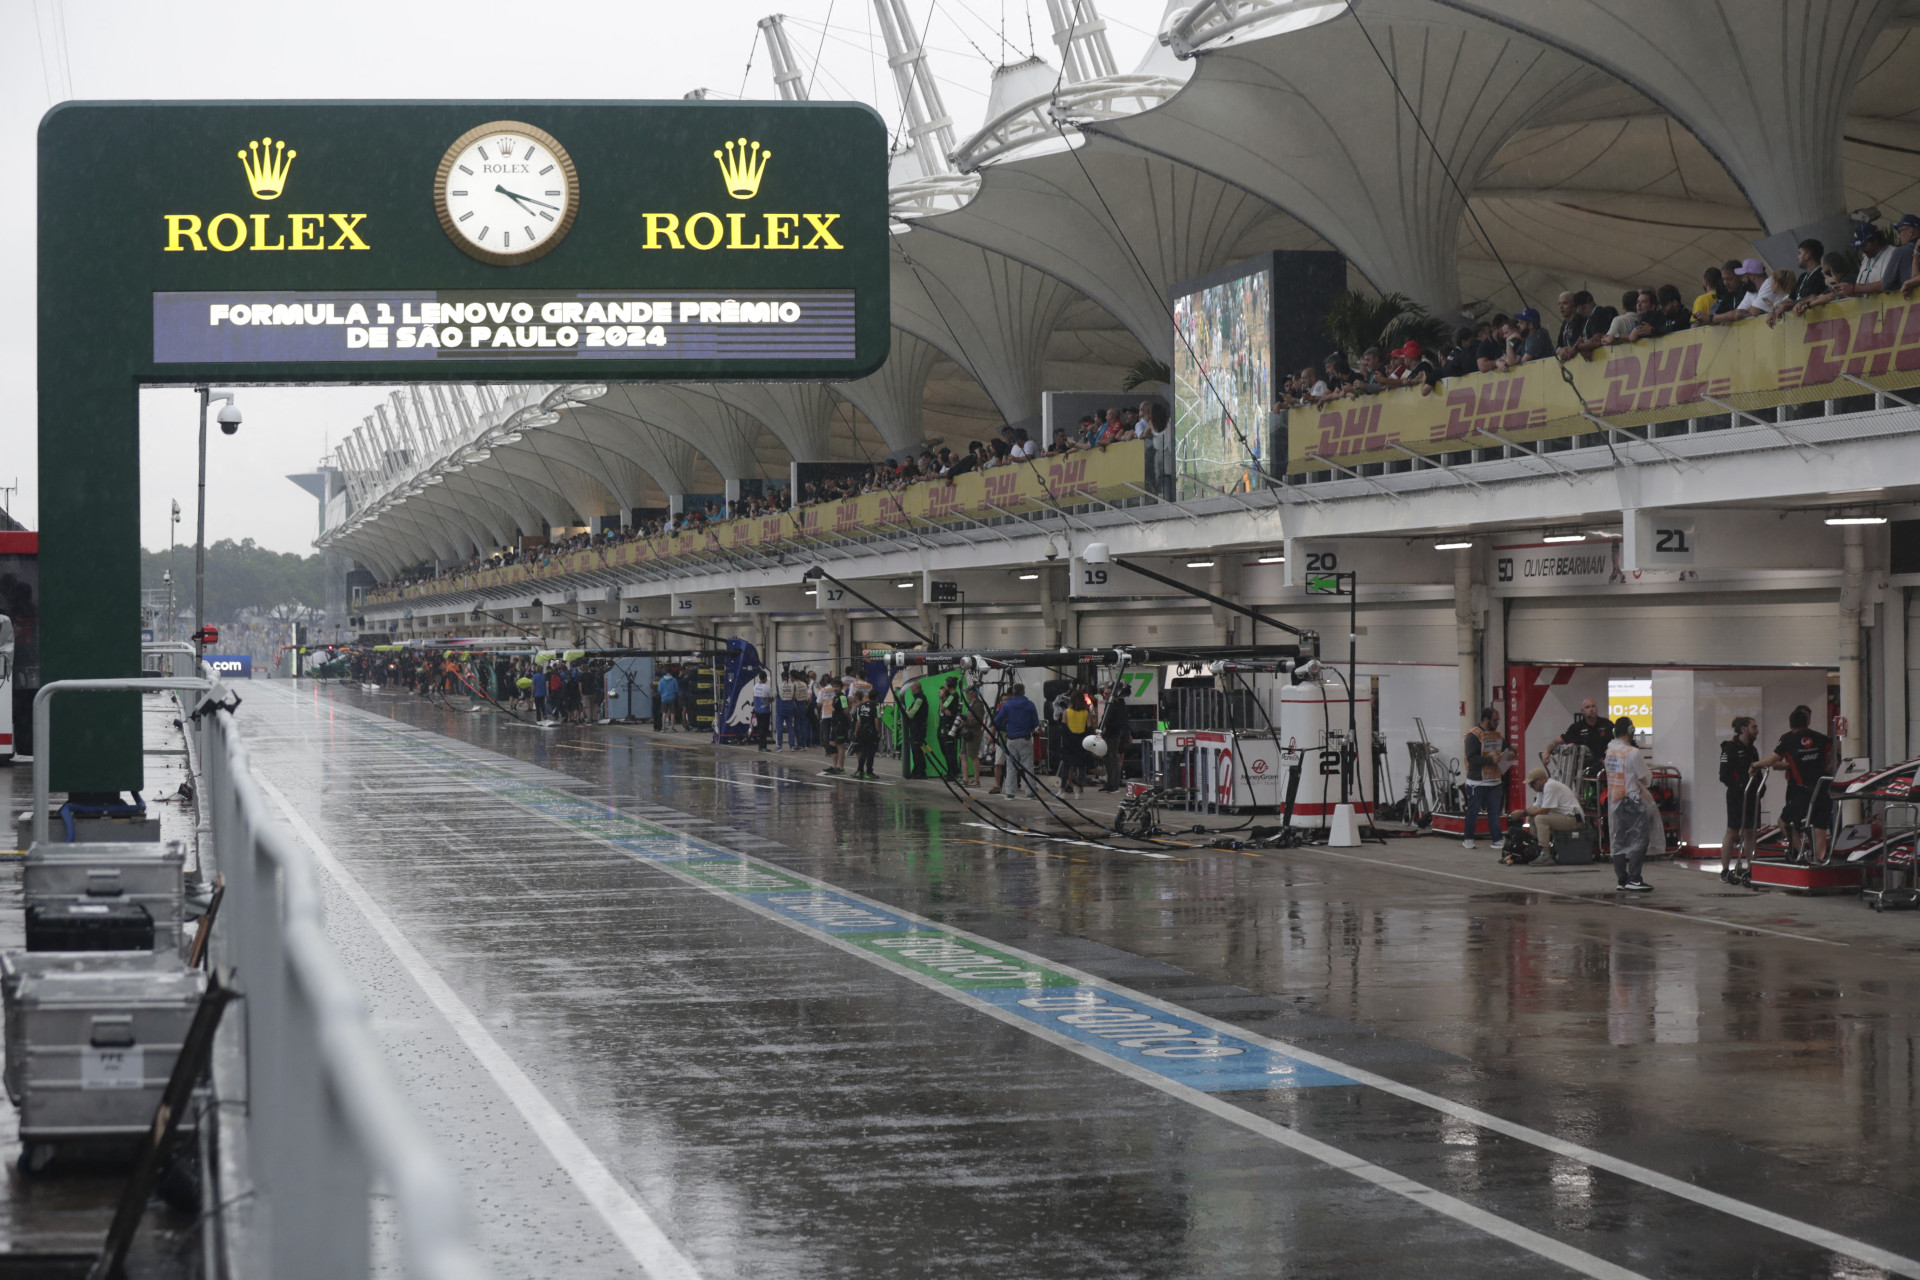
<point>288,242</point>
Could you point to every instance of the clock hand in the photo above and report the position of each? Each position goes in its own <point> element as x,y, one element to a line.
<point>523,201</point>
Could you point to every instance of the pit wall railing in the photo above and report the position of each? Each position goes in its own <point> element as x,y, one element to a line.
<point>309,1119</point>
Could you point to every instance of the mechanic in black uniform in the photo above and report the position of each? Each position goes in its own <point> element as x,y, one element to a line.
<point>1587,730</point>
<point>1738,755</point>
<point>1806,756</point>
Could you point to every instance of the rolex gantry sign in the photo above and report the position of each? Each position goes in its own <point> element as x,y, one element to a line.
<point>392,242</point>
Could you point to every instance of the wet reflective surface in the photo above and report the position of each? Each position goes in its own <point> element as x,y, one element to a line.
<point>784,1106</point>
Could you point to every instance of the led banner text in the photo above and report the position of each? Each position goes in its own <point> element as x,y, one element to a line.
<point>254,326</point>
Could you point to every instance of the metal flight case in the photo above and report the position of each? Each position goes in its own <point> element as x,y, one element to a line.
<point>91,1039</point>
<point>113,875</point>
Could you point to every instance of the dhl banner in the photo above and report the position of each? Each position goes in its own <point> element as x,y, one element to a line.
<point>1111,474</point>
<point>1746,365</point>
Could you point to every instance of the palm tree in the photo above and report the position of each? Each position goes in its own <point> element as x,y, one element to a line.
<point>1356,322</point>
<point>1144,371</point>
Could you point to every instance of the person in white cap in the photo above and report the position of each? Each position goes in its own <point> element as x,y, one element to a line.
<point>1551,808</point>
<point>1760,295</point>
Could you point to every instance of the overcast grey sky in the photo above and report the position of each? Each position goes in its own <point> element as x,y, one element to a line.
<point>55,50</point>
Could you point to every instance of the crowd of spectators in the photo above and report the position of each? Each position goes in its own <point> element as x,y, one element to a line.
<point>1883,261</point>
<point>1010,447</point>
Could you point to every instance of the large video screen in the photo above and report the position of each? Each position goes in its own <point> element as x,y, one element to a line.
<point>1222,383</point>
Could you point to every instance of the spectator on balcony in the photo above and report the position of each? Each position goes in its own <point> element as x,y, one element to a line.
<point>1571,322</point>
<point>1674,316</point>
<point>1902,275</point>
<point>1879,261</point>
<point>1633,305</point>
<point>1595,320</point>
<point>1460,361</point>
<point>1335,377</point>
<point>1529,341</point>
<point>1758,299</point>
<point>1369,378</point>
<point>1834,269</point>
<point>1812,279</point>
<point>1493,348</point>
<point>1415,367</point>
<point>1716,288</point>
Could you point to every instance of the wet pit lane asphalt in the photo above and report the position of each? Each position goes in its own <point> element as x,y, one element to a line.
<point>894,1042</point>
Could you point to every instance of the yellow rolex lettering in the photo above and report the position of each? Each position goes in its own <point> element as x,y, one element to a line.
<point>260,234</point>
<point>733,238</point>
<point>780,230</point>
<point>820,222</point>
<point>305,236</point>
<point>349,238</point>
<point>713,240</point>
<point>239,232</point>
<point>183,226</point>
<point>663,224</point>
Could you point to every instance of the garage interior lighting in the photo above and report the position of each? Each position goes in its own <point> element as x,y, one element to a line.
<point>1856,519</point>
<point>1029,577</point>
<point>1271,560</point>
<point>903,585</point>
<point>1451,546</point>
<point>1199,564</point>
<point>1564,537</point>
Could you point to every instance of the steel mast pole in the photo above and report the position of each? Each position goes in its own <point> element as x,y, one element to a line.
<point>200,535</point>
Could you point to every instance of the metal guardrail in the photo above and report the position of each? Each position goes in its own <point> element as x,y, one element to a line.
<point>324,1118</point>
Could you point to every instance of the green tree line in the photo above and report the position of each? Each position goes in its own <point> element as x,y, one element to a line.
<point>240,576</point>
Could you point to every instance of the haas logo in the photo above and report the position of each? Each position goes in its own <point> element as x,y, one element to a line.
<point>1258,766</point>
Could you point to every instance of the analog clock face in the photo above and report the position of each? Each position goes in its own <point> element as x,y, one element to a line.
<point>506,192</point>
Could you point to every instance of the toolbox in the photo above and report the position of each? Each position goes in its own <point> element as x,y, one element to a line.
<point>1573,848</point>
<point>146,875</point>
<point>89,926</point>
<point>91,1039</point>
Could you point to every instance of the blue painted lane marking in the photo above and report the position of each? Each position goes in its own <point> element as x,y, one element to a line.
<point>831,912</point>
<point>1160,1042</point>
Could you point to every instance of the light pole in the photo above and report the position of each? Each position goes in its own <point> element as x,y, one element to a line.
<point>229,423</point>
<point>173,537</point>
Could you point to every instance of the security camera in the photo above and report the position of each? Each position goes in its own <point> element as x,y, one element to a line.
<point>229,418</point>
<point>1053,552</point>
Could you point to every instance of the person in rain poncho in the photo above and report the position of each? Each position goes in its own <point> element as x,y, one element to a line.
<point>1633,820</point>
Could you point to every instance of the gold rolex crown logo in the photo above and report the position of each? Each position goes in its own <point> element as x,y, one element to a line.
<point>267,167</point>
<point>742,168</point>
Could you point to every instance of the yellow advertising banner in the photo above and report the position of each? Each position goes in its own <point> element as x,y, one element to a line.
<point>1112,474</point>
<point>1748,365</point>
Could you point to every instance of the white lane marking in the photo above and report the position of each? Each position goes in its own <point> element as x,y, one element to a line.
<point>1577,897</point>
<point>1781,1223</point>
<point>740,782</point>
<point>624,1216</point>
